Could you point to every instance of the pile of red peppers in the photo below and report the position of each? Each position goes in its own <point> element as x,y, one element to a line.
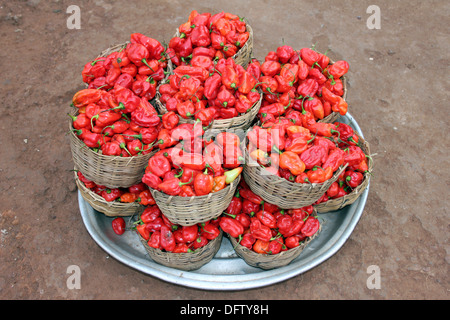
<point>301,80</point>
<point>264,227</point>
<point>210,89</point>
<point>190,165</point>
<point>299,88</point>
<point>205,35</point>
<point>299,149</point>
<point>159,233</point>
<point>115,115</point>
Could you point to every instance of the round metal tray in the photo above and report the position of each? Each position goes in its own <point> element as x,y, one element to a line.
<point>227,271</point>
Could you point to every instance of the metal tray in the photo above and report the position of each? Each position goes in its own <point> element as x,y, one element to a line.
<point>227,271</point>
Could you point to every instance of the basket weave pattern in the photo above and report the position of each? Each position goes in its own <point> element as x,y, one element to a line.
<point>268,261</point>
<point>283,193</point>
<point>110,209</point>
<point>185,261</point>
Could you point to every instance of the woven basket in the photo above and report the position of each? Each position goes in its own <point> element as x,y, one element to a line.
<point>241,122</point>
<point>109,171</point>
<point>285,194</point>
<point>110,209</point>
<point>270,261</point>
<point>339,203</point>
<point>185,261</point>
<point>187,211</point>
<point>244,55</point>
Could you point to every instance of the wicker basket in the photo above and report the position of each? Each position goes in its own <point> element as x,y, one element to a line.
<point>285,194</point>
<point>241,122</point>
<point>339,203</point>
<point>244,55</point>
<point>185,261</point>
<point>268,261</point>
<point>110,209</point>
<point>187,211</point>
<point>109,171</point>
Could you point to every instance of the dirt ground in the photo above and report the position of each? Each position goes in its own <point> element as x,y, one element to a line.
<point>398,93</point>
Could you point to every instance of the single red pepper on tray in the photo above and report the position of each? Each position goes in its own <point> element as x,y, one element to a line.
<point>119,225</point>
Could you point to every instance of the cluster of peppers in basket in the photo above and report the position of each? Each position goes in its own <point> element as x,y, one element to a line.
<point>137,193</point>
<point>139,66</point>
<point>114,112</point>
<point>264,227</point>
<point>115,122</point>
<point>217,36</point>
<point>210,89</point>
<point>159,233</point>
<point>301,80</point>
<point>301,150</point>
<point>188,164</point>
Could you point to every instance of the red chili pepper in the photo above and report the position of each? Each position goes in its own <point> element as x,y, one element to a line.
<point>259,230</point>
<point>270,68</point>
<point>230,78</point>
<point>247,240</point>
<point>292,162</point>
<point>80,121</point>
<point>92,140</point>
<point>284,223</point>
<point>261,246</point>
<point>145,114</point>
<point>111,194</point>
<point>159,165</point>
<point>295,228</point>
<point>353,178</point>
<point>353,155</point>
<point>189,233</point>
<point>171,186</point>
<point>210,231</point>
<point>319,175</point>
<point>338,69</point>
<point>267,219</point>
<point>231,226</point>
<point>250,196</point>
<point>167,239</point>
<point>154,240</point>
<point>152,180</point>
<point>128,197</point>
<point>332,191</point>
<point>310,227</point>
<point>87,96</point>
<point>111,149</point>
<point>142,230</point>
<point>314,156</point>
<point>292,241</point>
<point>309,56</point>
<point>203,184</point>
<point>335,159</point>
<point>275,246</point>
<point>119,225</point>
<point>235,206</point>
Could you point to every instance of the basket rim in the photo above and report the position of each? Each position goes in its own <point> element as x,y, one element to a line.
<point>193,198</point>
<point>73,136</point>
